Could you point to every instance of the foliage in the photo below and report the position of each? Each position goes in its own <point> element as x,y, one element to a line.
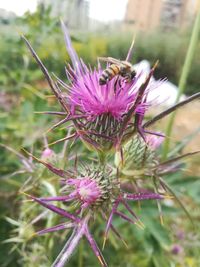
<point>44,33</point>
<point>21,81</point>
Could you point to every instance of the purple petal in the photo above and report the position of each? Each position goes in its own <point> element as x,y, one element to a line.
<point>73,56</point>
<point>55,209</point>
<point>128,57</point>
<point>56,228</point>
<point>142,196</point>
<point>114,230</point>
<point>53,169</point>
<point>129,209</point>
<point>56,198</point>
<point>123,216</point>
<point>95,248</point>
<point>114,208</point>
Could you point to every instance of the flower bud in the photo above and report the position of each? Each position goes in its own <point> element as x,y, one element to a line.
<point>138,156</point>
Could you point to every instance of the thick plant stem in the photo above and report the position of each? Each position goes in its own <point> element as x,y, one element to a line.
<point>183,79</point>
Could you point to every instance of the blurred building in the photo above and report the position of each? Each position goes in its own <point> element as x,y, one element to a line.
<point>143,14</point>
<point>75,13</point>
<point>148,15</point>
<point>178,13</point>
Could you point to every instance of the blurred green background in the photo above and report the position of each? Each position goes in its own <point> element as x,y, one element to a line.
<point>23,91</point>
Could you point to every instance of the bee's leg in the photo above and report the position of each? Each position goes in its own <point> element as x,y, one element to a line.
<point>127,78</point>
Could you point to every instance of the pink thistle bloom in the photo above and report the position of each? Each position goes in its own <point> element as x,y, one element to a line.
<point>96,192</point>
<point>86,190</point>
<point>108,110</point>
<point>103,116</point>
<point>114,98</point>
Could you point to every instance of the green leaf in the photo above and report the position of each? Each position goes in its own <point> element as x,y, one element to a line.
<point>159,232</point>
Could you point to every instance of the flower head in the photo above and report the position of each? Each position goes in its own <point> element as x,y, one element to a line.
<point>86,190</point>
<point>92,187</point>
<point>108,110</point>
<point>104,116</point>
<point>91,192</point>
<point>113,99</point>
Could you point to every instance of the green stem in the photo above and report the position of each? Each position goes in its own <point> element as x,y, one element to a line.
<point>102,158</point>
<point>183,79</point>
<point>80,256</point>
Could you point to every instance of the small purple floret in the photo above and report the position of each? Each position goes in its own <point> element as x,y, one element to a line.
<point>86,190</point>
<point>154,141</point>
<point>176,249</point>
<point>47,153</point>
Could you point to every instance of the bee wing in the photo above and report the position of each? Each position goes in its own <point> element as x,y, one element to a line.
<point>110,60</point>
<point>126,64</point>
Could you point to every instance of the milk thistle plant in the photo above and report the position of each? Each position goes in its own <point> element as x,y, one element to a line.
<point>109,119</point>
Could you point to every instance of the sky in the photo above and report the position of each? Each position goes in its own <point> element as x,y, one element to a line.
<point>106,10</point>
<point>102,10</point>
<point>18,7</point>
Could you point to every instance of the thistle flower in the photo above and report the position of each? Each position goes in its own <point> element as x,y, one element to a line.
<point>86,191</point>
<point>104,116</point>
<point>91,192</point>
<point>108,110</point>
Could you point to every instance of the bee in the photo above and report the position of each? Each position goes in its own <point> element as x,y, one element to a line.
<point>118,67</point>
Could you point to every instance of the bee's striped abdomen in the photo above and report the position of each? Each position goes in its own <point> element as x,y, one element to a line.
<point>108,74</point>
<point>115,69</point>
